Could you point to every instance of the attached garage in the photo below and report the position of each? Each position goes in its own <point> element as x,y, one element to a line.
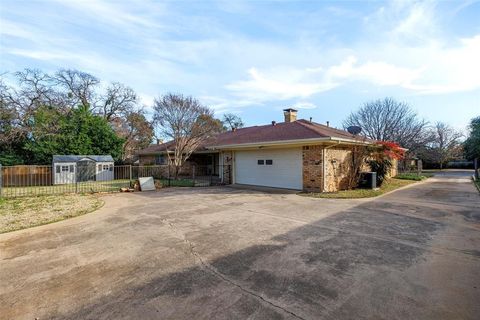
<point>278,168</point>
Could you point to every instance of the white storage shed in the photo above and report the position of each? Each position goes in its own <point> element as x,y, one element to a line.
<point>78,168</point>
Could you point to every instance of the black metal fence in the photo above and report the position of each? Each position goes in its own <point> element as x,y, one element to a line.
<point>16,181</point>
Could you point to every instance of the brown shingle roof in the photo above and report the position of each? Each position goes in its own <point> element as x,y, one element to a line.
<point>297,130</point>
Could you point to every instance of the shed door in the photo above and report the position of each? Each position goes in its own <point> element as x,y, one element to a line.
<point>65,173</point>
<point>279,168</point>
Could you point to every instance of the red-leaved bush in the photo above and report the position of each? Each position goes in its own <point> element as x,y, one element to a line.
<point>382,155</point>
<point>392,150</point>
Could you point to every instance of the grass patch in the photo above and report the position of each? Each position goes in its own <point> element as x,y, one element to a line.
<point>387,186</point>
<point>414,176</point>
<point>25,212</point>
<point>177,183</point>
<point>81,187</point>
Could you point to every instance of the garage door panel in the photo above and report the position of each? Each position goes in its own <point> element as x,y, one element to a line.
<point>284,172</point>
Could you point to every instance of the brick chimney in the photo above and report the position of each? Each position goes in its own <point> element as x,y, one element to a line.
<point>290,115</point>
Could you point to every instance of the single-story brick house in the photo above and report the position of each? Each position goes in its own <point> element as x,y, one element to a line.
<point>295,154</point>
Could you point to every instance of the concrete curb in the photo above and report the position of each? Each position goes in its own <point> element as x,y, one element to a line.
<point>416,183</point>
<point>476,185</point>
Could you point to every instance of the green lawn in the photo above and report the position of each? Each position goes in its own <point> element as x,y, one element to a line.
<point>24,212</point>
<point>388,186</point>
<point>414,176</point>
<point>177,183</point>
<point>89,187</point>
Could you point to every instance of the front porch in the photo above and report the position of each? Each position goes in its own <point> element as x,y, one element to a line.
<point>205,163</point>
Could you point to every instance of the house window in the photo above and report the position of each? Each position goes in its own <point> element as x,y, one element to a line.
<point>160,159</point>
<point>57,168</point>
<point>64,168</point>
<point>71,168</point>
<point>105,167</point>
<point>269,162</point>
<point>110,167</point>
<point>99,168</point>
<point>260,162</point>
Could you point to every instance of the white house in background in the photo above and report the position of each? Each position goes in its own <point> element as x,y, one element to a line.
<point>75,168</point>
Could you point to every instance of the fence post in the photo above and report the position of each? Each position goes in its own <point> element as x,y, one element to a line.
<point>130,176</point>
<point>1,181</point>
<point>169,183</point>
<point>475,163</point>
<point>76,177</point>
<point>193,174</point>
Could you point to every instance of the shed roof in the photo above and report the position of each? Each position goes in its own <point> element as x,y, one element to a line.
<point>75,158</point>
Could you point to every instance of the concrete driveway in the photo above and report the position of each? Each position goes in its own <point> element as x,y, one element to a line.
<point>222,253</point>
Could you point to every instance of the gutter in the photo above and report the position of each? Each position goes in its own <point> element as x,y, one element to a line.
<point>286,143</point>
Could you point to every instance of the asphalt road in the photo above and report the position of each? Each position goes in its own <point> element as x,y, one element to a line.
<point>222,253</point>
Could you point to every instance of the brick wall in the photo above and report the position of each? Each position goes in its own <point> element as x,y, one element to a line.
<point>146,159</point>
<point>394,170</point>
<point>338,167</point>
<point>227,166</point>
<point>312,168</point>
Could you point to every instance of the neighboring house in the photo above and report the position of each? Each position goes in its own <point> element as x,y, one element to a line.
<point>295,154</point>
<point>74,168</point>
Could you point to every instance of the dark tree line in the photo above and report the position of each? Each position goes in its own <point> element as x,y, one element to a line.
<point>67,112</point>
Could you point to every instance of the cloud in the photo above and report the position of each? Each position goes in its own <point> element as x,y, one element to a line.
<point>116,14</point>
<point>157,48</point>
<point>376,72</point>
<point>279,84</point>
<point>291,83</point>
<point>304,105</point>
<point>222,104</point>
<point>434,68</point>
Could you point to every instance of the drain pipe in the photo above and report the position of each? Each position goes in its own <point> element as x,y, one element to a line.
<point>324,170</point>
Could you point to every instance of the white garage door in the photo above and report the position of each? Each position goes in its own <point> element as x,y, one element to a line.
<point>280,168</point>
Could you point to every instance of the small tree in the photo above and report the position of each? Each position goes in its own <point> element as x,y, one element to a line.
<point>380,159</point>
<point>185,122</point>
<point>445,145</point>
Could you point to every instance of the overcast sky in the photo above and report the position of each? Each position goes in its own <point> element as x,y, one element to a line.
<point>255,58</point>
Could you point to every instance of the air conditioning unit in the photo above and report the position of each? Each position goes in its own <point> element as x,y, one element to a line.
<point>368,180</point>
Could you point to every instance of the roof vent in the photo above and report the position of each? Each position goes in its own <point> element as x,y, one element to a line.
<point>328,123</point>
<point>273,123</point>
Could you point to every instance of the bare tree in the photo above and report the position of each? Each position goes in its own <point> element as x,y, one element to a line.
<point>445,145</point>
<point>232,121</point>
<point>118,100</point>
<point>80,85</point>
<point>186,122</point>
<point>390,120</point>
<point>136,130</point>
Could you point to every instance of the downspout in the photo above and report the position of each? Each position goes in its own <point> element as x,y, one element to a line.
<point>324,167</point>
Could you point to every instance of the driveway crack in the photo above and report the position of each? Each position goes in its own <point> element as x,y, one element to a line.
<point>223,277</point>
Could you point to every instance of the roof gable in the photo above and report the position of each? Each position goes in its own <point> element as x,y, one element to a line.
<point>76,158</point>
